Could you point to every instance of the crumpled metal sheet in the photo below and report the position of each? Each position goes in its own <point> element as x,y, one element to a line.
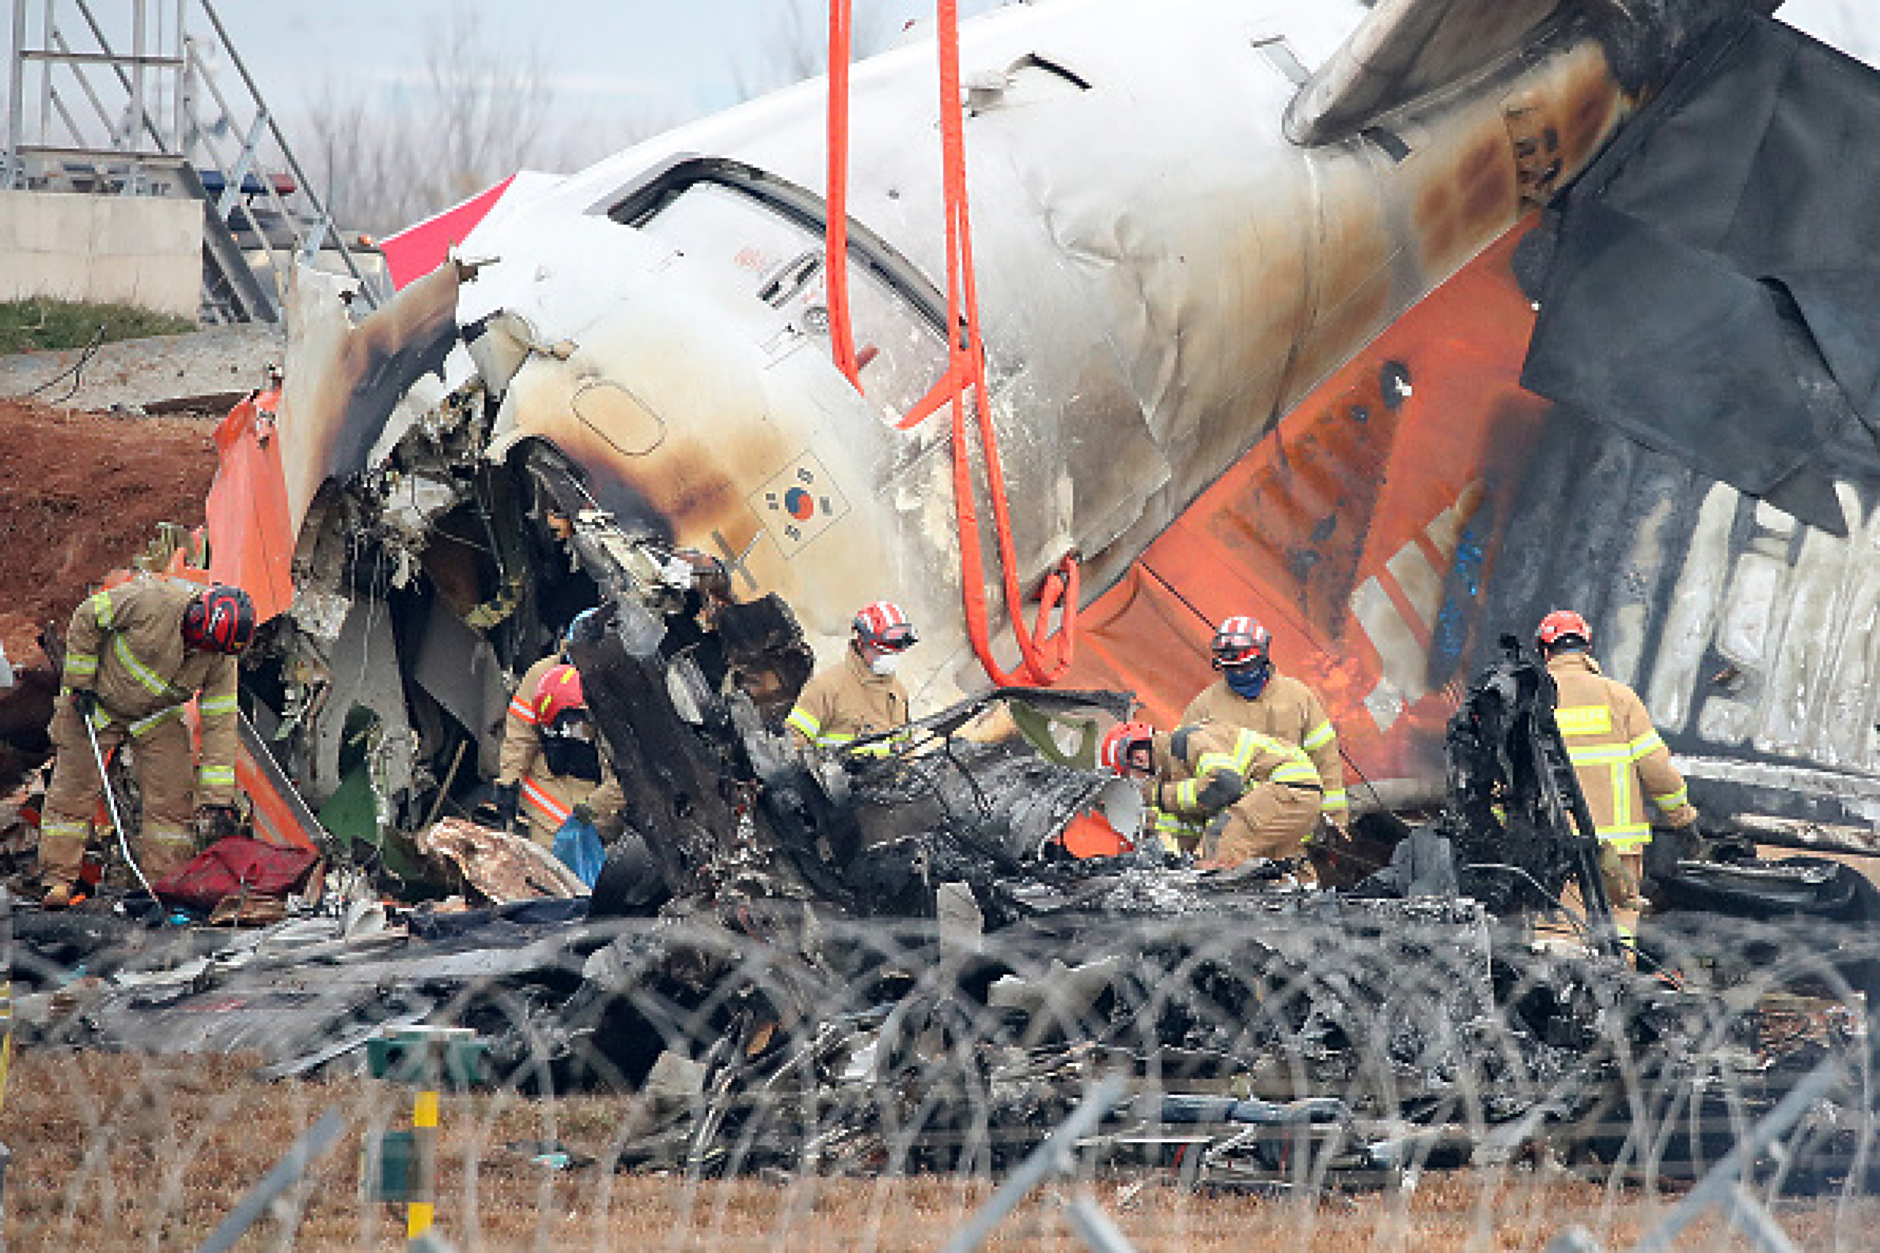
<point>499,866</point>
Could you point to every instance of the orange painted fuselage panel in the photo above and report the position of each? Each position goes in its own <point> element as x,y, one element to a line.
<point>1361,531</point>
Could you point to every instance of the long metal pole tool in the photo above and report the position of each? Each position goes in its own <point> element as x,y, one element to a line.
<point>110,801</point>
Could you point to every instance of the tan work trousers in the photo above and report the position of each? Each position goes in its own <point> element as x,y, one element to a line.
<point>166,780</point>
<point>1620,871</point>
<point>1269,820</point>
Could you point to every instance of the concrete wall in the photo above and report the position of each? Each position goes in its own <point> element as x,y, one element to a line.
<point>138,250</point>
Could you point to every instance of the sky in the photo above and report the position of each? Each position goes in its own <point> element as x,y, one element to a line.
<point>649,50</point>
<point>661,59</point>
<point>672,58</point>
<point>621,69</point>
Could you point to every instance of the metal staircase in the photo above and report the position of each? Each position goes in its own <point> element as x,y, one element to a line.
<point>131,106</point>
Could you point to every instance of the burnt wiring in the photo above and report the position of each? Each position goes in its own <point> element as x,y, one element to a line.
<point>75,370</point>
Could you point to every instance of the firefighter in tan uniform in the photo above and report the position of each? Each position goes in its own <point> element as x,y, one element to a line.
<point>555,770</point>
<point>521,742</point>
<point>136,655</point>
<point>861,697</point>
<point>1251,694</point>
<point>1617,755</point>
<point>1226,792</point>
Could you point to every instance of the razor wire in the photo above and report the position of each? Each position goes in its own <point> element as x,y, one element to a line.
<point>1293,1066</point>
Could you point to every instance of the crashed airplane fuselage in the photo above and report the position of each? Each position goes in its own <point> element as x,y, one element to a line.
<point>1178,231</point>
<point>1182,230</point>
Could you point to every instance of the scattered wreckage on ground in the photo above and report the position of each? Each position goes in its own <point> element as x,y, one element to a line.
<point>892,964</point>
<point>897,963</point>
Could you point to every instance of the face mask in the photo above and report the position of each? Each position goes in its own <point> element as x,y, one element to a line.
<point>1247,682</point>
<point>885,664</point>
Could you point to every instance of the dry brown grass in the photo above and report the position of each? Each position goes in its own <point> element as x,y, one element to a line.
<point>113,1151</point>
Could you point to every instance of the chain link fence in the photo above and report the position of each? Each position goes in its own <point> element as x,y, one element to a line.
<point>1283,1067</point>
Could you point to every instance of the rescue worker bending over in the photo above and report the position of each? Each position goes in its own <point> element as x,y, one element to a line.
<point>559,769</point>
<point>1616,754</point>
<point>521,744</point>
<point>1228,793</point>
<point>861,697</point>
<point>1252,695</point>
<point>136,655</point>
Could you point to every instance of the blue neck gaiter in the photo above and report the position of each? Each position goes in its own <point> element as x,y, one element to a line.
<point>1247,682</point>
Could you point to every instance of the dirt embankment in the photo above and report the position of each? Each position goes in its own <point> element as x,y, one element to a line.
<point>81,493</point>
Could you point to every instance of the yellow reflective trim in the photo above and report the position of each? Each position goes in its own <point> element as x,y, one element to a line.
<point>146,724</point>
<point>1333,800</point>
<point>52,828</point>
<point>1584,720</point>
<point>101,610</point>
<point>144,675</point>
<point>1673,800</point>
<point>1188,793</point>
<point>1621,795</point>
<point>1646,743</point>
<point>1600,754</point>
<point>1321,736</point>
<point>804,722</point>
<point>1210,762</point>
<point>217,705</point>
<point>216,774</point>
<point>1296,772</point>
<point>81,663</point>
<point>837,737</point>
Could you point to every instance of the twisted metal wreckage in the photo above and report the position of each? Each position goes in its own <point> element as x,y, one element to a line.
<point>877,964</point>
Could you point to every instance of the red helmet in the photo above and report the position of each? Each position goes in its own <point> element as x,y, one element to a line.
<point>1113,753</point>
<point>882,626</point>
<point>557,693</point>
<point>1239,642</point>
<point>1559,625</point>
<point>219,620</point>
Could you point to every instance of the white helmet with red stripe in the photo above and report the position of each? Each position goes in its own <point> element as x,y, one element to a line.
<point>1240,641</point>
<point>883,627</point>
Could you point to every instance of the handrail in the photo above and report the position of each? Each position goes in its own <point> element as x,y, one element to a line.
<point>287,154</point>
<point>187,138</point>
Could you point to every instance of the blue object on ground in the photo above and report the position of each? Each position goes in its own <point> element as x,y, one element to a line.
<point>578,845</point>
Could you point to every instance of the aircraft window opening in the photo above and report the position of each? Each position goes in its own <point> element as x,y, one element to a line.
<point>755,236</point>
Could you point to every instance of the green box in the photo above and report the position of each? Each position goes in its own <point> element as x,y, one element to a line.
<point>399,1057</point>
<point>387,1170</point>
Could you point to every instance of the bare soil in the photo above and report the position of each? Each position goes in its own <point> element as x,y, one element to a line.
<point>80,494</point>
<point>115,1151</point>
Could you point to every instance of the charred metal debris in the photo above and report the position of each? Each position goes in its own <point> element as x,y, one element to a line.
<point>887,965</point>
<point>864,963</point>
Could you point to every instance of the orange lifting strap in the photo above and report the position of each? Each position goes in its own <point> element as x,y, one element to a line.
<point>1044,655</point>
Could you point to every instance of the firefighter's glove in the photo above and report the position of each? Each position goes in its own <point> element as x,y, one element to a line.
<point>217,822</point>
<point>583,813</point>
<point>505,797</point>
<point>84,702</point>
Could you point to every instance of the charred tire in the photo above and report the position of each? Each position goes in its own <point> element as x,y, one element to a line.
<point>630,883</point>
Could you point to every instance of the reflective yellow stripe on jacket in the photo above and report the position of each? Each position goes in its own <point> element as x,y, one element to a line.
<point>806,724</point>
<point>1581,721</point>
<point>147,678</point>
